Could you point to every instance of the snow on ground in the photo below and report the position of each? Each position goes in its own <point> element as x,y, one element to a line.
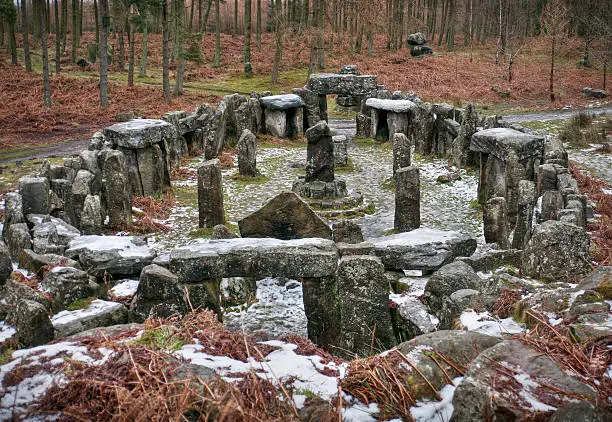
<point>51,360</point>
<point>279,310</point>
<point>6,331</point>
<point>437,411</point>
<point>484,322</point>
<point>278,366</point>
<point>126,288</point>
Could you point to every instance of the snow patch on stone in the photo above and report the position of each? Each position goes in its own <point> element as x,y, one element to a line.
<point>436,411</point>
<point>125,289</point>
<point>485,323</point>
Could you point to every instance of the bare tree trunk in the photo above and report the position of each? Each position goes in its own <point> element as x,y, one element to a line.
<point>180,38</point>
<point>121,60</point>
<point>145,43</point>
<point>278,40</point>
<point>259,25</point>
<point>248,69</point>
<point>64,24</point>
<point>74,32</point>
<point>471,31</point>
<point>217,62</point>
<point>45,54</point>
<point>205,20</point>
<point>235,33</point>
<point>552,69</point>
<point>131,31</point>
<point>12,44</point>
<point>95,6</point>
<point>26,41</point>
<point>58,36</point>
<point>165,52</point>
<point>104,21</point>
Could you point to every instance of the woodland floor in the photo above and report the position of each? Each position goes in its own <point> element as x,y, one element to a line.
<point>444,76</point>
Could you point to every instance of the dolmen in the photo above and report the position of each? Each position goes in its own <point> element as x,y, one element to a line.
<point>282,113</point>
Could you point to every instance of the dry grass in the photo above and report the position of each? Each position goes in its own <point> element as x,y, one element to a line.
<point>586,361</point>
<point>601,232</point>
<point>506,303</point>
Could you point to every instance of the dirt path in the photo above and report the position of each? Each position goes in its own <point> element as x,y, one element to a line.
<point>554,115</point>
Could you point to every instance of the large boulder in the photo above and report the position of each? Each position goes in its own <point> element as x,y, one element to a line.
<point>119,256</point>
<point>99,313</point>
<point>285,216</point>
<point>32,323</point>
<point>510,381</point>
<point>447,280</point>
<point>600,281</point>
<point>412,318</point>
<point>422,249</point>
<point>35,194</point>
<point>139,133</point>
<point>158,288</point>
<point>418,38</point>
<point>320,154</point>
<point>17,239</point>
<point>67,284</point>
<point>282,102</point>
<point>557,251</point>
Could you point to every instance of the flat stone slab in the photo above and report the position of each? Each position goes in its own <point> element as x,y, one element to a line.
<point>254,257</point>
<point>139,133</point>
<point>100,313</point>
<point>282,102</point>
<point>334,83</point>
<point>500,141</point>
<point>120,256</point>
<point>395,106</point>
<point>422,249</point>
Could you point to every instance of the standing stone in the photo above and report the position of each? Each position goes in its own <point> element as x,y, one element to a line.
<point>552,202</point>
<point>347,231</point>
<point>363,307</point>
<point>322,308</point>
<point>461,145</point>
<point>524,218</point>
<point>32,323</point>
<point>13,211</point>
<point>515,172</point>
<point>312,109</point>
<point>91,217</point>
<point>210,194</point>
<point>153,171</point>
<point>320,154</point>
<point>157,286</point>
<point>407,199</point>
<point>35,195</point>
<point>276,123</point>
<point>340,150</point>
<point>401,152</point>
<point>6,267</point>
<point>116,188</point>
<point>495,218</point>
<point>247,158</point>
<point>18,239</point>
<point>81,188</point>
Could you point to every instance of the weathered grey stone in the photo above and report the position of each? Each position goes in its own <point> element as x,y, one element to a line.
<point>413,319</point>
<point>67,284</point>
<point>32,323</point>
<point>340,150</point>
<point>115,188</point>
<point>588,327</point>
<point>35,195</point>
<point>153,170</point>
<point>286,216</point>
<point>421,130</point>
<point>6,266</point>
<point>349,69</point>
<point>313,111</point>
<point>418,38</point>
<point>594,93</point>
<point>447,280</point>
<point>554,151</point>
<point>13,211</point>
<point>480,396</point>
<point>422,249</point>
<point>401,152</point>
<point>350,249</point>
<point>259,257</point>
<point>89,162</point>
<point>552,203</point>
<point>282,102</point>
<point>580,411</point>
<point>13,291</point>
<point>456,303</point>
<point>34,262</point>
<point>276,123</point>
<point>205,295</point>
<point>247,158</point>
<point>600,281</point>
<point>526,202</point>
<point>331,83</point>
<point>419,50</point>
<point>139,133</point>
<point>499,141</point>
<point>91,217</point>
<point>320,154</point>
<point>496,222</point>
<point>98,314</point>
<point>488,258</point>
<point>222,232</point>
<point>407,199</point>
<point>119,256</point>
<point>157,286</point>
<point>210,194</point>
<point>347,231</point>
<point>461,145</point>
<point>364,309</point>
<point>395,106</point>
<point>18,239</point>
<point>557,251</point>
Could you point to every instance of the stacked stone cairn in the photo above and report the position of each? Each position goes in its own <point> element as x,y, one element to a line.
<point>416,42</point>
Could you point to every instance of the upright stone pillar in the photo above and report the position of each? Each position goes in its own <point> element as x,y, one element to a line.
<point>115,188</point>
<point>322,307</point>
<point>35,194</point>
<point>401,152</point>
<point>526,203</point>
<point>366,321</point>
<point>210,194</point>
<point>320,154</point>
<point>496,222</point>
<point>407,199</point>
<point>247,160</point>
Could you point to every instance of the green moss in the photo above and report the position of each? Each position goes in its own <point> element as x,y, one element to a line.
<point>202,232</point>
<point>389,184</point>
<point>186,195</point>
<point>389,232</point>
<point>305,392</point>
<point>334,113</point>
<point>605,288</point>
<point>10,173</point>
<point>80,304</point>
<point>161,338</point>
<point>6,355</point>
